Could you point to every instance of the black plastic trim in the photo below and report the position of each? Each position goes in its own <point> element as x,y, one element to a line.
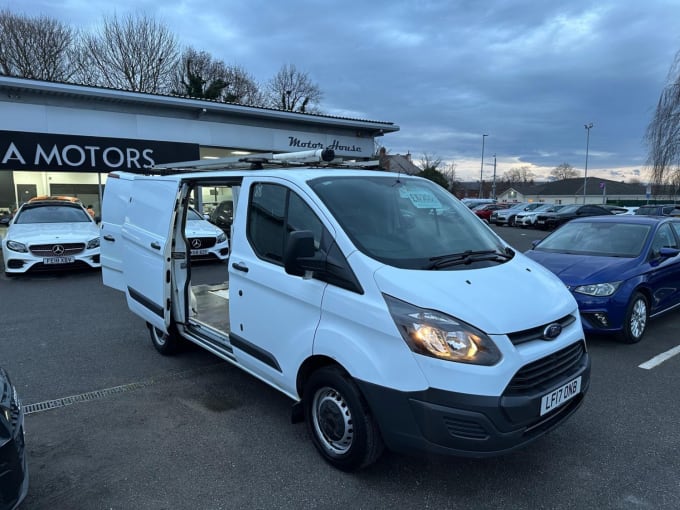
<point>146,302</point>
<point>260,354</point>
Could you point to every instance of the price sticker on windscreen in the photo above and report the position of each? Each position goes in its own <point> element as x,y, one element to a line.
<point>421,198</point>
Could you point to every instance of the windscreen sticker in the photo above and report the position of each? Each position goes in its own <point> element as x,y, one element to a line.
<point>421,198</point>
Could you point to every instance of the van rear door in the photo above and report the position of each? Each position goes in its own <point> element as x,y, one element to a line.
<point>147,244</point>
<point>114,210</point>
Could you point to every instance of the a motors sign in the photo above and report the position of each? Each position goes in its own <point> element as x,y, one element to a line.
<point>71,153</point>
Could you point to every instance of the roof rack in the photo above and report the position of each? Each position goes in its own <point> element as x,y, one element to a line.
<point>319,157</point>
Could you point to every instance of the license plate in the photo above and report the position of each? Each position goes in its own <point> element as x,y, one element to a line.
<point>563,394</point>
<point>540,222</point>
<point>199,252</point>
<point>59,260</point>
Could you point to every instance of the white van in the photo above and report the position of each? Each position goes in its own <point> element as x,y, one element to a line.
<point>377,302</point>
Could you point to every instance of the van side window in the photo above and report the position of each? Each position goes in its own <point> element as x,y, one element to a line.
<point>275,211</point>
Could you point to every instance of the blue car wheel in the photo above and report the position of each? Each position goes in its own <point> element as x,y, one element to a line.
<point>637,315</point>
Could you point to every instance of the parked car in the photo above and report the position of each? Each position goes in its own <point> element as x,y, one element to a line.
<point>507,216</point>
<point>528,218</point>
<point>222,216</point>
<point>5,217</point>
<point>484,211</point>
<point>14,469</point>
<point>658,209</point>
<point>622,269</point>
<point>474,202</point>
<point>619,209</point>
<point>50,234</point>
<point>205,239</point>
<point>552,220</point>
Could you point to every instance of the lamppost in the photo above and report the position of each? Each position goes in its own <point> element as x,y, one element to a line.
<point>493,186</point>
<point>481,170</point>
<point>585,177</point>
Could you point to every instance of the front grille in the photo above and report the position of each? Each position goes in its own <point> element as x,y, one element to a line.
<point>541,372</point>
<point>206,242</point>
<point>47,250</point>
<point>526,335</point>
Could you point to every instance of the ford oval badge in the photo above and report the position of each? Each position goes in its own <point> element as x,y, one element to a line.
<point>552,331</point>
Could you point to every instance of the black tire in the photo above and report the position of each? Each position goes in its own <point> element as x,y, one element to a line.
<point>340,421</point>
<point>637,316</point>
<point>166,344</point>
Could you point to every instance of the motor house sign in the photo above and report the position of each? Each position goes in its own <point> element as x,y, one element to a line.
<point>71,153</point>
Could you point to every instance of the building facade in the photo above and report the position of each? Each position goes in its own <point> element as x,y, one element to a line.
<point>64,139</point>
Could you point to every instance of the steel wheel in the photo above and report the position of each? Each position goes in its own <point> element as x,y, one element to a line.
<point>332,421</point>
<point>339,420</point>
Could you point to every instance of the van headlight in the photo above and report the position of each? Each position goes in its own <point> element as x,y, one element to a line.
<point>17,246</point>
<point>441,336</point>
<point>93,243</point>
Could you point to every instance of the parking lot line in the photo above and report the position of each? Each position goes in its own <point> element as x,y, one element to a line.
<point>657,360</point>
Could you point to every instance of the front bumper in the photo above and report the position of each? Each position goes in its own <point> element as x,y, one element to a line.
<point>447,423</point>
<point>18,262</point>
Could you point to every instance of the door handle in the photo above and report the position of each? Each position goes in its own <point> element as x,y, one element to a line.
<point>155,245</point>
<point>108,237</point>
<point>240,267</point>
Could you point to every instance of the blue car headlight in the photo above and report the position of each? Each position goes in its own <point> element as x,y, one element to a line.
<point>598,289</point>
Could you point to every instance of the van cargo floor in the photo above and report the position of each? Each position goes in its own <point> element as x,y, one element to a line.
<point>212,305</point>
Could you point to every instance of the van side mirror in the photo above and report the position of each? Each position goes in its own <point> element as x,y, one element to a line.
<point>300,255</point>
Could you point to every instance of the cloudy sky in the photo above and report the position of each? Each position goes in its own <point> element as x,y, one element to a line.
<point>529,74</point>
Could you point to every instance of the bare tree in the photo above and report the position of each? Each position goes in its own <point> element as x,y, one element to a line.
<point>293,90</point>
<point>38,48</point>
<point>563,171</point>
<point>663,132</point>
<point>522,175</point>
<point>136,53</point>
<point>199,75</point>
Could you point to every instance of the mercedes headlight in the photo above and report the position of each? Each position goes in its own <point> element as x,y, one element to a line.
<point>221,238</point>
<point>598,289</point>
<point>17,246</point>
<point>441,336</point>
<point>93,243</point>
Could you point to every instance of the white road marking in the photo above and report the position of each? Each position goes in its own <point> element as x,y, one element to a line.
<point>657,360</point>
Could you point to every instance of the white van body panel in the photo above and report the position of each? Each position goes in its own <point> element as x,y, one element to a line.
<point>495,299</point>
<point>146,254</point>
<point>277,310</point>
<point>114,209</point>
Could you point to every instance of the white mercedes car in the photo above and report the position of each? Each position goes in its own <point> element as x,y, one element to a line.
<point>50,233</point>
<point>206,240</point>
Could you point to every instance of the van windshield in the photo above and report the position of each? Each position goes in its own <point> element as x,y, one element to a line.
<point>409,222</point>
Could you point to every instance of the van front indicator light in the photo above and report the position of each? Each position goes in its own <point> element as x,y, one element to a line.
<point>441,336</point>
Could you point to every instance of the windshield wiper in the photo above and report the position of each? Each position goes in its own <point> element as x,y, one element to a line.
<point>467,257</point>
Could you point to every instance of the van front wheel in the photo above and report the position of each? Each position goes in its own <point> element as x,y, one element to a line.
<point>165,343</point>
<point>339,420</point>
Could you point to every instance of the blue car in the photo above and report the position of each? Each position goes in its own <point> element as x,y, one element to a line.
<point>622,270</point>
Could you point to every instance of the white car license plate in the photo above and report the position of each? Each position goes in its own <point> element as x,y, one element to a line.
<point>199,252</point>
<point>564,393</point>
<point>59,260</point>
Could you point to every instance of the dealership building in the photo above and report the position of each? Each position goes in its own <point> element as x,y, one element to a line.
<point>64,139</point>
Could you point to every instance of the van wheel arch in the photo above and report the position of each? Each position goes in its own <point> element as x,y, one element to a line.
<point>339,420</point>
